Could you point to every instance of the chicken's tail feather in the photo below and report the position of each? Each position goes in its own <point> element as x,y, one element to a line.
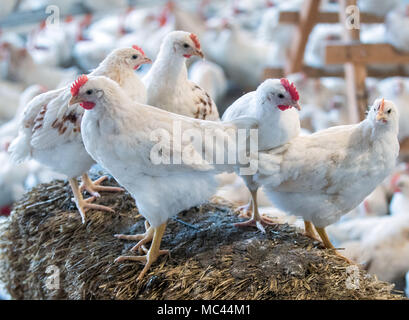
<point>20,147</point>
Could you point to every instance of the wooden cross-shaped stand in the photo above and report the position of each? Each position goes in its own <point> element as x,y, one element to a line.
<point>351,52</point>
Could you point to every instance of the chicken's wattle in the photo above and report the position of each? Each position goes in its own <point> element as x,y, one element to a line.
<point>87,105</point>
<point>283,108</point>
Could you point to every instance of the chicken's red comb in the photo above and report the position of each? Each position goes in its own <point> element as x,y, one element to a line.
<point>290,87</point>
<point>138,48</point>
<point>382,105</point>
<point>195,40</point>
<point>75,88</point>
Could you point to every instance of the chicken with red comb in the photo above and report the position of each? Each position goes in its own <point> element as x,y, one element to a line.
<point>167,83</point>
<point>75,87</point>
<point>275,105</point>
<point>195,40</point>
<point>162,186</point>
<point>325,175</point>
<point>50,131</point>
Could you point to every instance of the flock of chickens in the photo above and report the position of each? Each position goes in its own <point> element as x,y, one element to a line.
<point>122,115</point>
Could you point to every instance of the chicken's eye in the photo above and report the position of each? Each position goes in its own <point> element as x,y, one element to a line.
<point>280,95</point>
<point>135,56</point>
<point>390,110</point>
<point>89,92</point>
<point>185,45</point>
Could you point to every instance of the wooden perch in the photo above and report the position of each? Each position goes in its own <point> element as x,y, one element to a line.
<point>293,17</point>
<point>339,53</point>
<point>312,72</point>
<point>308,18</point>
<point>355,72</point>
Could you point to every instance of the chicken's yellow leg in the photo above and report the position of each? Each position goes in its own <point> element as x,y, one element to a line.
<point>309,230</point>
<point>84,204</point>
<point>153,253</point>
<point>327,243</point>
<point>93,186</point>
<point>143,238</point>
<point>256,219</point>
<point>246,211</point>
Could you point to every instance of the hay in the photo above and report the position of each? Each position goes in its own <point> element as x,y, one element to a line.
<point>210,258</point>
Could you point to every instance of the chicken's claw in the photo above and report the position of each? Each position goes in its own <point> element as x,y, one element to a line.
<point>92,187</point>
<point>244,211</point>
<point>258,223</point>
<point>152,254</point>
<point>83,205</point>
<point>143,238</point>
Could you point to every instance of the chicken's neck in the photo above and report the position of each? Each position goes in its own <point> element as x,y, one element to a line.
<point>119,75</point>
<point>169,67</point>
<point>378,131</point>
<point>380,137</point>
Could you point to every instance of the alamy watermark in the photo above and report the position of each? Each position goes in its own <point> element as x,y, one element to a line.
<point>52,282</point>
<point>352,20</point>
<point>53,18</point>
<point>206,147</point>
<point>352,281</point>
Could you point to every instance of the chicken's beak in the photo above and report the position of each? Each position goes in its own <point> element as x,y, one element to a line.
<point>297,106</point>
<point>380,116</point>
<point>199,53</point>
<point>146,60</point>
<point>74,100</point>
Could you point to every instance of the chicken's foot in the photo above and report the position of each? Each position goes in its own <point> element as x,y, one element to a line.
<point>83,205</point>
<point>256,220</point>
<point>153,253</point>
<point>94,186</point>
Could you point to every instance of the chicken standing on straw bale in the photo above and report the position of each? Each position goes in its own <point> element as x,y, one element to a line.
<point>165,176</point>
<point>325,175</point>
<point>51,130</point>
<point>272,104</point>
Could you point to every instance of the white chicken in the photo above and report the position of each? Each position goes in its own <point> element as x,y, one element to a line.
<point>327,174</point>
<point>10,93</point>
<point>234,46</point>
<point>378,7</point>
<point>9,130</point>
<point>400,201</point>
<point>272,105</point>
<point>386,248</point>
<point>271,29</point>
<point>165,172</point>
<point>51,130</point>
<point>354,229</point>
<point>315,50</point>
<point>21,67</point>
<point>376,204</point>
<point>397,89</point>
<point>396,24</point>
<point>12,179</point>
<point>167,84</point>
<point>51,44</point>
